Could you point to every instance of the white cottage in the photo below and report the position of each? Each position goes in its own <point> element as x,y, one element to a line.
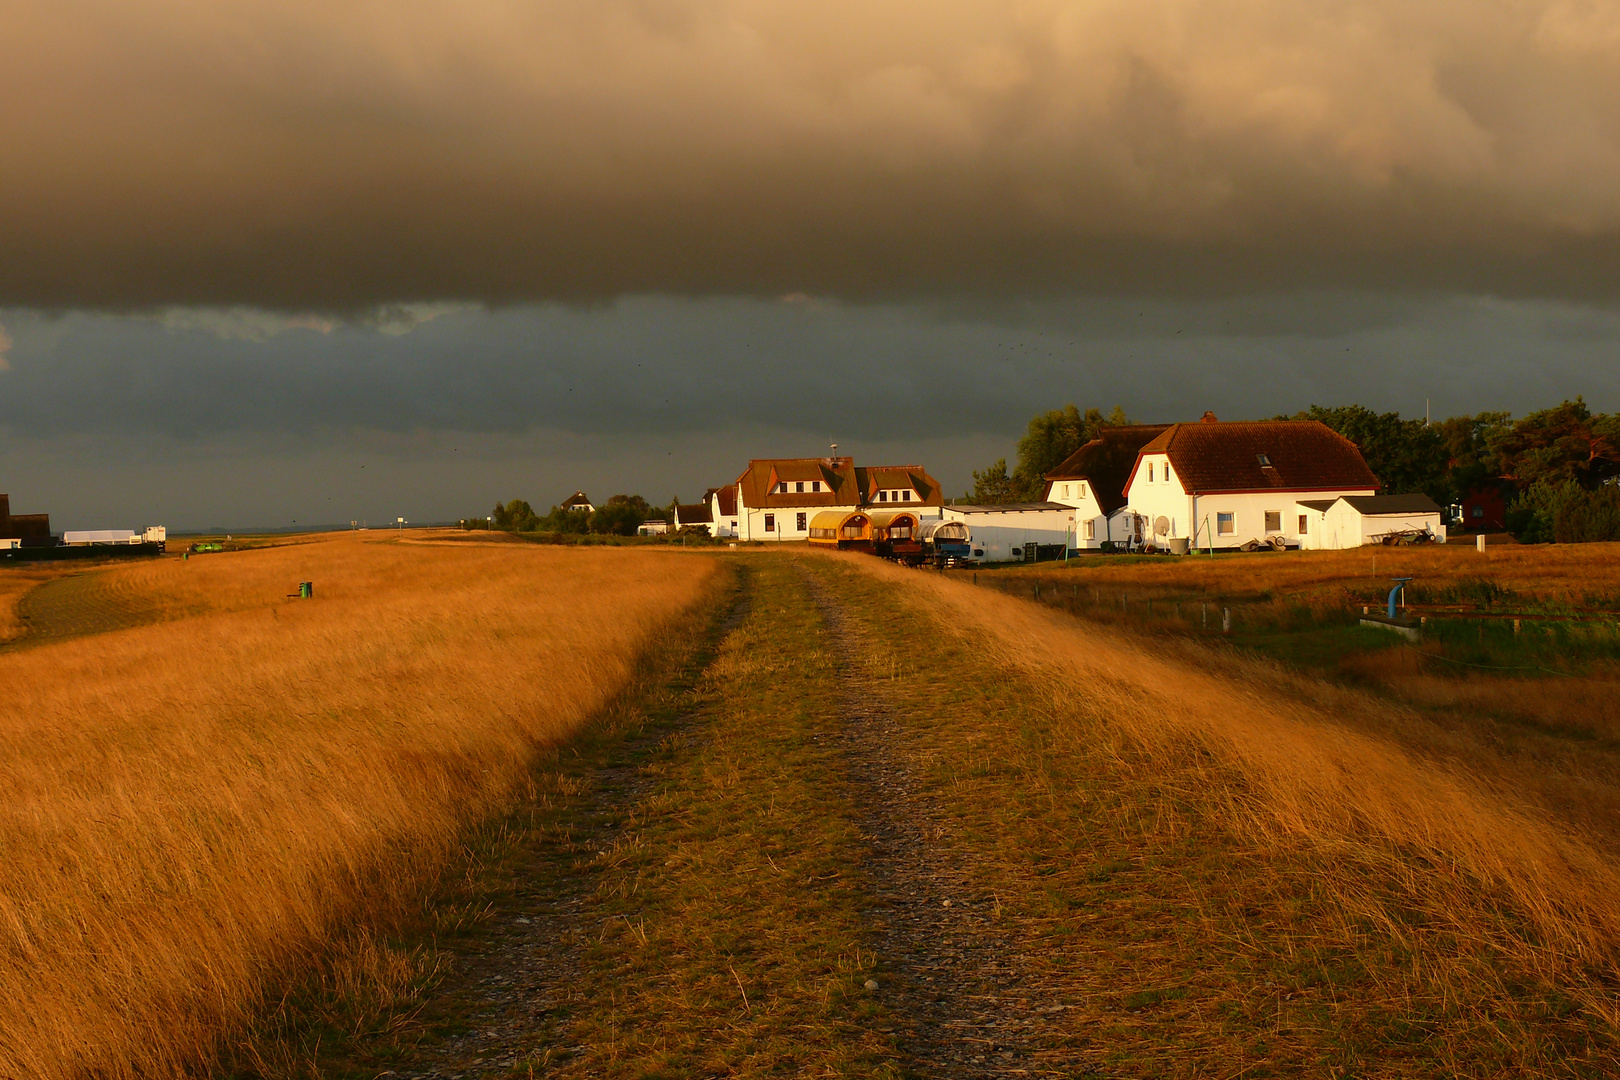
<point>1092,481</point>
<point>1234,485</point>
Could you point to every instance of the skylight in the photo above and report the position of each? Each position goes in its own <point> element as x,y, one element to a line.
<point>1265,460</point>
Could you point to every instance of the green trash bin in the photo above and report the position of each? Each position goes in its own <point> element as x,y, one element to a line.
<point>306,589</point>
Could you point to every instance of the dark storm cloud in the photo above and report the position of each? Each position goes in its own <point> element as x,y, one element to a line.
<point>731,367</point>
<point>319,155</point>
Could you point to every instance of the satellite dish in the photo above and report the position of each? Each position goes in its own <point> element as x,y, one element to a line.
<point>1161,525</point>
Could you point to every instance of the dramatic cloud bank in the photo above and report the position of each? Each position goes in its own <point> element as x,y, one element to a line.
<point>319,156</point>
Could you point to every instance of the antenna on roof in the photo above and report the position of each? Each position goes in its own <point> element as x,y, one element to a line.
<point>834,449</point>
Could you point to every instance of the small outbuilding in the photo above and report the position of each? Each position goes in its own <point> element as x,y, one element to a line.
<point>1355,520</point>
<point>1002,532</point>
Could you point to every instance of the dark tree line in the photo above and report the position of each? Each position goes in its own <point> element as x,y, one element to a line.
<point>621,515</point>
<point>1558,468</point>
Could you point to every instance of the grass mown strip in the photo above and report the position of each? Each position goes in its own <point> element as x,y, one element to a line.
<point>1179,946</point>
<point>695,843</point>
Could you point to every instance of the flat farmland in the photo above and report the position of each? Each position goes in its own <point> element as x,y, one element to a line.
<point>197,805</point>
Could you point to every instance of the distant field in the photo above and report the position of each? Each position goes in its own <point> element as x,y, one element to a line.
<point>194,806</point>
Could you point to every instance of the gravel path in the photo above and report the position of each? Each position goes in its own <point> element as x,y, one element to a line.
<point>958,978</point>
<point>523,982</point>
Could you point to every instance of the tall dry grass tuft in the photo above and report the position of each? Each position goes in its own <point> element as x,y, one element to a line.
<point>1280,757</point>
<point>192,808</point>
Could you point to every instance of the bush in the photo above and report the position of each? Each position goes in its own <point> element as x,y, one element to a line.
<point>515,516</point>
<point>1565,513</point>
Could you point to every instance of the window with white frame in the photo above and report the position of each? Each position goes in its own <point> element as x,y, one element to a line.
<point>1304,520</point>
<point>1224,524</point>
<point>799,487</point>
<point>815,485</point>
<point>1150,472</point>
<point>1091,530</point>
<point>1273,521</point>
<point>781,487</point>
<point>801,523</point>
<point>770,522</point>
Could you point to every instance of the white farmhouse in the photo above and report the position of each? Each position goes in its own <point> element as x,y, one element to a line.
<point>1231,485</point>
<point>698,513</point>
<point>1092,481</point>
<point>1354,520</point>
<point>999,533</point>
<point>777,497</point>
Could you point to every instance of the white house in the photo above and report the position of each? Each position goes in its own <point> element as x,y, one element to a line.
<point>1353,520</point>
<point>1219,485</point>
<point>777,497</point>
<point>698,513</point>
<point>577,501</point>
<point>722,510</point>
<point>1092,481</point>
<point>998,533</point>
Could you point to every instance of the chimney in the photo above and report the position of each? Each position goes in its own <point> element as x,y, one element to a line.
<point>1209,418</point>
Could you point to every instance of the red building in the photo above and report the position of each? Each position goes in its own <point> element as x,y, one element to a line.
<point>1483,510</point>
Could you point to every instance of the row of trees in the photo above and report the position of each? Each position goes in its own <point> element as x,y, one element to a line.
<point>621,515</point>
<point>1558,467</point>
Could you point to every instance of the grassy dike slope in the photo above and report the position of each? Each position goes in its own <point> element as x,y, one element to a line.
<point>855,779</point>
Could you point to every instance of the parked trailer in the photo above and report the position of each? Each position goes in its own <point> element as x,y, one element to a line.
<point>945,543</point>
<point>895,535</point>
<point>842,529</point>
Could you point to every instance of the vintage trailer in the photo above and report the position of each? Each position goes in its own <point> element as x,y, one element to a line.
<point>895,535</point>
<point>842,529</point>
<point>944,542</point>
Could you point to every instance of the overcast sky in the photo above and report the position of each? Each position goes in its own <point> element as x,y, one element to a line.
<point>265,262</point>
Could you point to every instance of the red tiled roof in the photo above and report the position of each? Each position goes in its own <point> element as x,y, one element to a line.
<point>727,499</point>
<point>1262,455</point>
<point>758,482</point>
<point>1106,462</point>
<point>875,478</point>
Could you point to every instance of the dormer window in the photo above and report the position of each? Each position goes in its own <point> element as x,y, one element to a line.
<point>905,496</point>
<point>1264,460</point>
<point>1150,472</point>
<point>800,486</point>
<point>815,485</point>
<point>781,488</point>
<point>883,496</point>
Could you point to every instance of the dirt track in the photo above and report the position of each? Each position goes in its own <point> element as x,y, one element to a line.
<point>76,606</point>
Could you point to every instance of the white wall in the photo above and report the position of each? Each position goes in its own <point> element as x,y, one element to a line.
<point>1002,534</point>
<point>1080,495</point>
<point>1188,516</point>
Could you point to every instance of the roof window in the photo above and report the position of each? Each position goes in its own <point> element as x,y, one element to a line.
<point>1264,460</point>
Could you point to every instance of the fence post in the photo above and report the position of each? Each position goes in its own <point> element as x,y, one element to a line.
<point>1203,612</point>
<point>1226,620</point>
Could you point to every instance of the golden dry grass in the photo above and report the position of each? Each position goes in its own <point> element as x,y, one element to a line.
<point>192,810</point>
<point>1568,573</point>
<point>1461,839</point>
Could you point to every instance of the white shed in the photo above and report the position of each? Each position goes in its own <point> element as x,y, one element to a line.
<point>1354,520</point>
<point>998,533</point>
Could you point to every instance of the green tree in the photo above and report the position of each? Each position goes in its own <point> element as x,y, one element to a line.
<point>1407,456</point>
<point>1051,437</point>
<point>1472,464</point>
<point>622,515</point>
<point>1566,442</point>
<point>575,522</point>
<point>515,516</point>
<point>992,485</point>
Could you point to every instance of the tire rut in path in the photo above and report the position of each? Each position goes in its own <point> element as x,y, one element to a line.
<point>522,982</point>
<point>959,981</point>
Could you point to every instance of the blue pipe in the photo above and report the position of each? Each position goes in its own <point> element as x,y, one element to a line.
<point>1400,583</point>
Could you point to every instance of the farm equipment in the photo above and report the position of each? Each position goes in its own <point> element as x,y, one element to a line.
<point>1402,537</point>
